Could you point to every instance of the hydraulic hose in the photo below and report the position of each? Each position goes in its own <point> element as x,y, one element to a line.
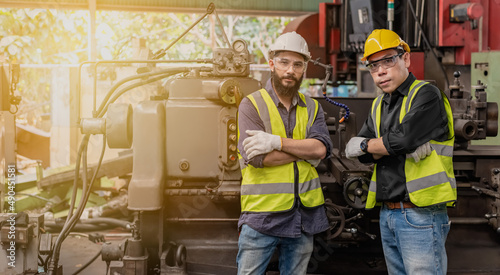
<point>328,73</point>
<point>105,106</point>
<point>169,71</point>
<point>92,224</point>
<point>54,257</point>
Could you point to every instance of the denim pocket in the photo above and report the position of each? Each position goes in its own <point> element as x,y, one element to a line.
<point>418,218</point>
<point>445,228</point>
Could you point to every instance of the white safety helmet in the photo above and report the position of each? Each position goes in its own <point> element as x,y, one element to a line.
<point>290,41</point>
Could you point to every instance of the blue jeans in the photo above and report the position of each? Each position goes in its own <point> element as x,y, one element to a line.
<point>256,249</point>
<point>413,239</point>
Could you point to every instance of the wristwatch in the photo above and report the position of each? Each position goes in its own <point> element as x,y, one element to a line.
<point>364,145</point>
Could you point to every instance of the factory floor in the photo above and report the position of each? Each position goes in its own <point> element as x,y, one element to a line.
<point>476,255</point>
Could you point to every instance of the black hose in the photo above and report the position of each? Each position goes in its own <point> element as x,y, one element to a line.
<point>110,221</point>
<point>86,193</point>
<point>88,263</point>
<point>104,109</point>
<point>134,77</point>
<point>93,224</point>
<point>83,144</point>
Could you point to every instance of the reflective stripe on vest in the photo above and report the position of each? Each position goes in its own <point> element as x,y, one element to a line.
<point>431,180</point>
<point>272,189</point>
<point>376,111</point>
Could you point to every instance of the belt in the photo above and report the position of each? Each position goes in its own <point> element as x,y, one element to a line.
<point>397,205</point>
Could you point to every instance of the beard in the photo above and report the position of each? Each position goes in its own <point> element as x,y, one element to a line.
<point>282,90</point>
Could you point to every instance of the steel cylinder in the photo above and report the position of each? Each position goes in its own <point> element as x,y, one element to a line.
<point>465,129</point>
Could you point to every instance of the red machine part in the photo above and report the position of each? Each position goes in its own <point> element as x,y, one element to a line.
<point>323,39</point>
<point>474,11</point>
<point>417,64</point>
<point>466,37</point>
<point>464,12</point>
<point>492,12</point>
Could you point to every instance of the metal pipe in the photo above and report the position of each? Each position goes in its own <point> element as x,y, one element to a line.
<point>79,91</point>
<point>415,35</point>
<point>222,28</point>
<point>480,42</point>
<point>421,22</point>
<point>468,220</point>
<point>92,50</point>
<point>160,53</point>
<point>390,14</point>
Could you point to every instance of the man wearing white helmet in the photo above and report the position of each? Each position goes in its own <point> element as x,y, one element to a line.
<point>409,136</point>
<point>282,137</point>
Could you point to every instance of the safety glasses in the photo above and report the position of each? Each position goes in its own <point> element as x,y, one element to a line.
<point>284,64</point>
<point>385,63</point>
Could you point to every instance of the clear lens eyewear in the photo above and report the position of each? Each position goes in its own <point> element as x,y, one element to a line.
<point>385,63</point>
<point>284,64</point>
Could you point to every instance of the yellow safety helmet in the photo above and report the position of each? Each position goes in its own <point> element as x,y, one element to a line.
<point>383,39</point>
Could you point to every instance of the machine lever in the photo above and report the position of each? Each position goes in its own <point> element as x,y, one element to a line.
<point>486,192</point>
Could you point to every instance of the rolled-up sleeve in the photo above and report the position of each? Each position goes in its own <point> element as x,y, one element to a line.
<point>319,131</point>
<point>249,119</point>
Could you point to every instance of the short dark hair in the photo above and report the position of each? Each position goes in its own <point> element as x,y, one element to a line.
<point>400,50</point>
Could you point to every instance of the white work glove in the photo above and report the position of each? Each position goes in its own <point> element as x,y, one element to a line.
<point>352,149</point>
<point>259,142</point>
<point>314,162</point>
<point>421,152</point>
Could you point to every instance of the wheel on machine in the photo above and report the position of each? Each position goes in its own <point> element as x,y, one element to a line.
<point>356,191</point>
<point>336,219</point>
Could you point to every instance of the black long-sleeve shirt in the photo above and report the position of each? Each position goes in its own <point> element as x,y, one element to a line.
<point>425,121</point>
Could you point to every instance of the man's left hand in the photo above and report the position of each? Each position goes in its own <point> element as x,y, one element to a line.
<point>421,152</point>
<point>353,149</point>
<point>259,142</point>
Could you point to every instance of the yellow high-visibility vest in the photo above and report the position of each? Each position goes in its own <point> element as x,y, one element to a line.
<point>274,189</point>
<point>431,180</point>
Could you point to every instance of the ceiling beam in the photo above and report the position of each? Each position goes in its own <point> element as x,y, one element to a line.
<point>240,7</point>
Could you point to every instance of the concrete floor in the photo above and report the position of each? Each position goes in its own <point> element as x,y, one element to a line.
<point>78,250</point>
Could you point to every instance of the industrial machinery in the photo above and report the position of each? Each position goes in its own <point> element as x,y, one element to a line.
<point>185,183</point>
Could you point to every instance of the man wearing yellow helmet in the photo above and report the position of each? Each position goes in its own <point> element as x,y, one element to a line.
<point>409,136</point>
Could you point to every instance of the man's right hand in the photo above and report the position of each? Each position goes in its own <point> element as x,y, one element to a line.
<point>259,142</point>
<point>421,152</point>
